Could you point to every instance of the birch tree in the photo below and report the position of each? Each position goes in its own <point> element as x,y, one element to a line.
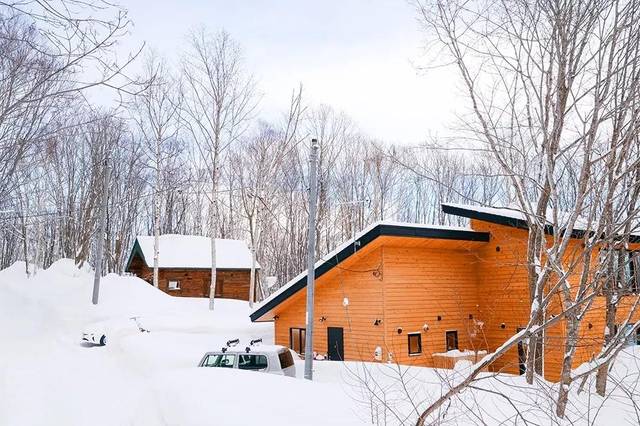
<point>257,166</point>
<point>155,111</point>
<point>219,102</point>
<point>541,81</point>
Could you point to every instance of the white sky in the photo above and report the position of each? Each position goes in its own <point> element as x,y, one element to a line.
<point>355,55</point>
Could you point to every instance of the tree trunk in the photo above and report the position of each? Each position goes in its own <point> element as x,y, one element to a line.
<point>567,361</point>
<point>156,216</point>
<point>212,231</point>
<point>603,371</point>
<point>25,245</point>
<point>252,278</point>
<point>534,352</point>
<point>610,317</point>
<point>212,287</point>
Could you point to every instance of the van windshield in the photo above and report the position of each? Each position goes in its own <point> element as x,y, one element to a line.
<point>220,360</point>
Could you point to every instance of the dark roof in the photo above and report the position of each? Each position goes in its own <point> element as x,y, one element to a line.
<point>352,246</point>
<point>509,217</point>
<point>135,250</point>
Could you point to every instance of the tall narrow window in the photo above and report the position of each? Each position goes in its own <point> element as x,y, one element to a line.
<point>415,343</point>
<point>297,338</point>
<point>625,267</point>
<point>452,340</point>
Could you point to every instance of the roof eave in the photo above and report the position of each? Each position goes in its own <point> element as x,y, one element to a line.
<point>513,222</point>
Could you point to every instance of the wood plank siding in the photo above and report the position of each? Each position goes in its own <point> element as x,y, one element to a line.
<point>398,286</point>
<point>402,282</point>
<point>230,283</point>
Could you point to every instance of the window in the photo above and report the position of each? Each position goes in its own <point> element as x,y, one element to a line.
<point>452,340</point>
<point>626,268</point>
<point>286,359</point>
<point>220,360</point>
<point>174,285</point>
<point>415,343</point>
<point>252,362</point>
<point>297,338</point>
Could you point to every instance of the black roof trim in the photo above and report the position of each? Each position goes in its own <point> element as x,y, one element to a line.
<point>486,217</point>
<point>379,230</point>
<point>513,222</point>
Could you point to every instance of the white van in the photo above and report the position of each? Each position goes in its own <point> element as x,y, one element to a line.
<point>273,359</point>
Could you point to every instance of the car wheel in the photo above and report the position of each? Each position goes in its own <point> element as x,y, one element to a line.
<point>103,340</point>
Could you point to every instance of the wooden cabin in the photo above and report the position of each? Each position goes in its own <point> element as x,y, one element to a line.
<point>184,265</point>
<point>425,295</point>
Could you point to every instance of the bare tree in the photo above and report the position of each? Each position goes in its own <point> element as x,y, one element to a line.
<point>552,88</point>
<point>219,101</point>
<point>257,165</point>
<point>155,110</point>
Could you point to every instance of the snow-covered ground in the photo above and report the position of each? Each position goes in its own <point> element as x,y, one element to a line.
<point>47,377</point>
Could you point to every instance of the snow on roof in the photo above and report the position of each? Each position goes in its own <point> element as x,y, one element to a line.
<point>192,251</point>
<point>508,212</point>
<point>347,243</point>
<point>514,213</point>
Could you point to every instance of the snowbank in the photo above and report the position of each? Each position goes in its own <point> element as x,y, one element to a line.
<point>195,396</point>
<point>48,377</point>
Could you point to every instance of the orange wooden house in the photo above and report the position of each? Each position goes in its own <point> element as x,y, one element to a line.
<point>426,295</point>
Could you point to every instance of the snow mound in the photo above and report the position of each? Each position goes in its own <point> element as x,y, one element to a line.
<point>16,270</point>
<point>68,268</point>
<point>244,397</point>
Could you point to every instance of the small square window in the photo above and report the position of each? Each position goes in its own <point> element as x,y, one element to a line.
<point>174,285</point>
<point>415,343</point>
<point>452,340</point>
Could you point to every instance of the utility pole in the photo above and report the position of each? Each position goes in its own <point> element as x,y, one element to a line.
<point>311,259</point>
<point>101,233</point>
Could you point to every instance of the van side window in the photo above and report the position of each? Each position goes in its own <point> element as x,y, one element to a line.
<point>286,359</point>
<point>220,360</point>
<point>252,362</point>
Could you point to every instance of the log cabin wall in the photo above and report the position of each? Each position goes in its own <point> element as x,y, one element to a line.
<point>504,299</point>
<point>502,289</point>
<point>230,283</point>
<point>427,287</point>
<point>428,292</point>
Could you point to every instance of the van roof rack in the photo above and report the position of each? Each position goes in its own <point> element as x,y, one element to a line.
<point>232,342</point>
<point>254,341</point>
